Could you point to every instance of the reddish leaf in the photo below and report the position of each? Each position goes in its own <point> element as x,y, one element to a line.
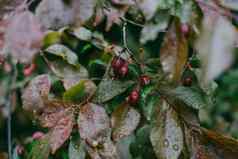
<point>32,95</point>
<point>124,121</point>
<point>54,14</point>
<point>61,131</point>
<point>83,10</point>
<point>93,121</point>
<point>173,53</point>
<point>23,36</point>
<point>53,111</point>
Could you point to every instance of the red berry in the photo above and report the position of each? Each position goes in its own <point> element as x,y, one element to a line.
<point>123,70</point>
<point>185,28</point>
<point>29,69</point>
<point>37,135</point>
<point>144,80</point>
<point>133,97</point>
<point>187,81</point>
<point>117,63</point>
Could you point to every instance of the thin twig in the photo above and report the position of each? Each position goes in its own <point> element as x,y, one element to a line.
<point>9,117</point>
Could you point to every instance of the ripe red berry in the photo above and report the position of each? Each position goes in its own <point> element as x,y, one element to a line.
<point>144,80</point>
<point>133,97</point>
<point>117,63</point>
<point>29,70</point>
<point>187,81</point>
<point>185,28</point>
<point>122,72</point>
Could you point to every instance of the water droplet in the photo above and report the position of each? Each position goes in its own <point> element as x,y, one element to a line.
<point>166,143</point>
<point>175,147</point>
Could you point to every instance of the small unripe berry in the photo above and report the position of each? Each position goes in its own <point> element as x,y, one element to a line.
<point>187,81</point>
<point>144,80</point>
<point>133,97</point>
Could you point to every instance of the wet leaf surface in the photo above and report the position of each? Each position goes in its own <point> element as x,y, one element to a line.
<point>32,95</point>
<point>109,88</point>
<point>141,147</point>
<point>40,149</point>
<point>173,53</point>
<point>76,149</point>
<point>93,121</point>
<point>80,92</point>
<point>167,136</point>
<point>192,97</point>
<point>63,52</point>
<point>124,121</point>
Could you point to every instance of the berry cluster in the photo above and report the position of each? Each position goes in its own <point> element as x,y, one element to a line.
<point>120,69</point>
<point>120,66</point>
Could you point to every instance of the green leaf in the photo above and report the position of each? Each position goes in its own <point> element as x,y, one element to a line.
<point>69,74</point>
<point>186,11</point>
<point>76,149</point>
<point>109,88</point>
<point>192,97</point>
<point>173,53</point>
<point>40,149</point>
<point>80,92</point>
<point>124,121</point>
<point>141,146</point>
<point>123,147</point>
<point>167,135</point>
<point>97,68</point>
<point>83,33</point>
<point>51,38</point>
<point>63,52</point>
<point>148,101</point>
